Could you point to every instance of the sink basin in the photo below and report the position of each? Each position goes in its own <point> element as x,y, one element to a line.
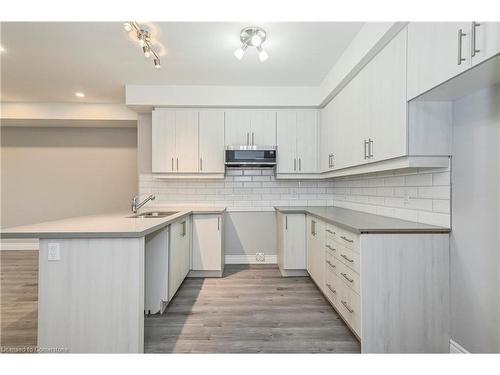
<point>154,214</point>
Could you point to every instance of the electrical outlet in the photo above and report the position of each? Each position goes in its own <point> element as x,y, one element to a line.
<point>54,251</point>
<point>260,257</point>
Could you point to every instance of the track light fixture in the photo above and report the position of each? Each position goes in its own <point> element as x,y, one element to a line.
<point>254,37</point>
<point>144,39</point>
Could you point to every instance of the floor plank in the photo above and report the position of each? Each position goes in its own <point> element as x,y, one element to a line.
<point>252,309</point>
<point>18,300</point>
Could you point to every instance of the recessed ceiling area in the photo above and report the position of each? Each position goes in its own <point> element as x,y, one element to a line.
<point>50,61</point>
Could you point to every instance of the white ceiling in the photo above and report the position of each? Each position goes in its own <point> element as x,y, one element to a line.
<point>49,62</point>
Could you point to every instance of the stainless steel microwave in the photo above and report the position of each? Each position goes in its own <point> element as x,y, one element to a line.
<point>250,156</point>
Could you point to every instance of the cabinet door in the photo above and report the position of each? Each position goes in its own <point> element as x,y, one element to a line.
<point>263,128</point>
<point>207,243</point>
<point>486,41</point>
<point>294,242</point>
<point>163,141</point>
<point>186,141</point>
<point>211,141</point>
<point>237,127</point>
<point>309,244</point>
<point>387,101</point>
<point>307,141</point>
<point>280,240</point>
<point>179,258</point>
<point>325,139</point>
<point>433,54</point>
<point>286,141</point>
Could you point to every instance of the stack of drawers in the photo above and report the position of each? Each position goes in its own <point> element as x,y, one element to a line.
<point>342,281</point>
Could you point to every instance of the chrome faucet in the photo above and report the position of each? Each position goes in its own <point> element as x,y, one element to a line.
<point>136,205</point>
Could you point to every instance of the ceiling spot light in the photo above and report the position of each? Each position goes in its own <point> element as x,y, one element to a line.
<point>144,39</point>
<point>79,94</point>
<point>263,56</point>
<point>254,37</point>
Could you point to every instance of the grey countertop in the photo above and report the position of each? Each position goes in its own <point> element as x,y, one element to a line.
<point>113,225</point>
<point>361,222</point>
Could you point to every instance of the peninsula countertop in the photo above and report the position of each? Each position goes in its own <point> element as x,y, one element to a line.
<point>111,225</point>
<point>361,222</point>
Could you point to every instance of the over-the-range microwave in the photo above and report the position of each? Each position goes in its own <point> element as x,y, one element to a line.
<point>250,156</point>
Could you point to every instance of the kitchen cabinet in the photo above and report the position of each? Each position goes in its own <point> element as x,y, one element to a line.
<point>211,141</point>
<point>439,51</point>
<point>367,121</point>
<point>179,255</point>
<point>207,245</point>
<point>297,140</point>
<point>316,250</point>
<point>156,271</point>
<point>250,127</point>
<point>174,141</point>
<point>291,243</point>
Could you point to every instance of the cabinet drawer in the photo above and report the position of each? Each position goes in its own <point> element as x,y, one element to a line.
<point>347,239</point>
<point>332,283</point>
<point>331,233</point>
<point>330,262</point>
<point>350,307</point>
<point>348,276</point>
<point>349,257</point>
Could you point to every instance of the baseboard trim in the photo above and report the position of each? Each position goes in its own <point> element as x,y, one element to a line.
<point>456,348</point>
<point>250,259</point>
<point>11,246</point>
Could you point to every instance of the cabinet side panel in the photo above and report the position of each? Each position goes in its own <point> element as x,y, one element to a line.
<point>405,293</point>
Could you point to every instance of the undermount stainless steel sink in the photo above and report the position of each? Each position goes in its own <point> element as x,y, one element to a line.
<point>154,214</point>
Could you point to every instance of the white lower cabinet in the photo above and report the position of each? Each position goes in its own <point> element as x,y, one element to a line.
<point>207,245</point>
<point>391,289</point>
<point>291,243</point>
<point>179,255</point>
<point>156,271</point>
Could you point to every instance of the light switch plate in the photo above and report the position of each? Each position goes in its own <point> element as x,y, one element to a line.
<point>54,252</point>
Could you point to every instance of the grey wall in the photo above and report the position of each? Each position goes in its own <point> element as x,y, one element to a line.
<point>475,243</point>
<point>52,173</point>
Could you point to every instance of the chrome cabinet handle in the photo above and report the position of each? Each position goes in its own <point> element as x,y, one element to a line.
<point>218,222</point>
<point>313,227</point>
<point>248,138</point>
<point>461,34</point>
<point>172,163</point>
<point>365,144</point>
<point>183,228</point>
<point>253,142</point>
<point>330,264</point>
<point>286,222</point>
<point>347,306</point>
<point>370,148</point>
<point>346,258</point>
<point>473,49</point>
<point>346,239</point>
<point>294,164</point>
<point>177,164</point>
<point>347,278</point>
<point>331,248</point>
<point>329,231</point>
<point>330,287</point>
<point>333,163</point>
<point>201,164</point>
<point>300,164</point>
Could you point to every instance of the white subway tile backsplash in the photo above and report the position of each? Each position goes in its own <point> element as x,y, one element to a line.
<point>424,179</point>
<point>434,192</point>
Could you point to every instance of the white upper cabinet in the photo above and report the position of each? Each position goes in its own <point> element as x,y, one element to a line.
<point>437,51</point>
<point>297,140</point>
<point>163,142</point>
<point>250,127</point>
<point>211,141</point>
<point>387,108</point>
<point>186,141</point>
<point>485,40</point>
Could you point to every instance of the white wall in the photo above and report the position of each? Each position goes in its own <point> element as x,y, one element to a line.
<point>417,195</point>
<point>475,242</point>
<point>54,173</point>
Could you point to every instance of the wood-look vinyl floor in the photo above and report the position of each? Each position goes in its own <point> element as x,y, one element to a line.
<point>252,309</point>
<point>18,300</point>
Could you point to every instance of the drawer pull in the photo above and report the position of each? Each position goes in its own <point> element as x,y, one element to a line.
<point>331,289</point>
<point>347,306</point>
<point>345,277</point>
<point>346,258</point>
<point>331,232</point>
<point>331,248</point>
<point>346,239</point>
<point>330,264</point>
